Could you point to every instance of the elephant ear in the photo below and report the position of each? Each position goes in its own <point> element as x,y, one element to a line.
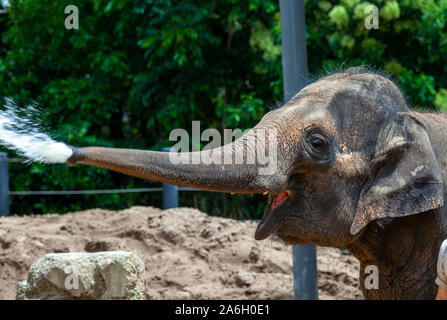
<point>407,177</point>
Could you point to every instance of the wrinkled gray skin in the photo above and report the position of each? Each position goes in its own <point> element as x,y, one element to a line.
<point>362,171</point>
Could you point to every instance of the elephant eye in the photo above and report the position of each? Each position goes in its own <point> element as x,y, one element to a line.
<point>317,145</point>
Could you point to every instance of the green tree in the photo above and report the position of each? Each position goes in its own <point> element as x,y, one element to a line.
<point>410,43</point>
<point>136,69</point>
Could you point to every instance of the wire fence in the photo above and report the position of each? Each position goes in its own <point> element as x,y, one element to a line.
<point>99,191</point>
<point>15,160</point>
<point>74,192</point>
<point>70,192</point>
<point>170,192</point>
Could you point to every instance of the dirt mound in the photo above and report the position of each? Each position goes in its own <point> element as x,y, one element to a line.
<point>188,254</point>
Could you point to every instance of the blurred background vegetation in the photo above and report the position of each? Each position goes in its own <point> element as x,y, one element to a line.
<point>136,69</point>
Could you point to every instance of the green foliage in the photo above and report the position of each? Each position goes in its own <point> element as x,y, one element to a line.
<point>390,11</point>
<point>410,44</point>
<point>441,99</point>
<point>339,17</point>
<point>136,69</point>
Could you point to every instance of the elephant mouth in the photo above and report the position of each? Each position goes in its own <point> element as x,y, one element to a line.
<point>267,224</point>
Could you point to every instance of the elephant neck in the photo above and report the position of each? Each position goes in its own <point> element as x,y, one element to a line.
<point>405,252</point>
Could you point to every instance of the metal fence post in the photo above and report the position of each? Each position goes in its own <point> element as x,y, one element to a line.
<point>305,274</point>
<point>4,185</point>
<point>170,192</point>
<point>294,65</point>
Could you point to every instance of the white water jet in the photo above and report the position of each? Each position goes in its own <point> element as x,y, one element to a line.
<point>22,134</point>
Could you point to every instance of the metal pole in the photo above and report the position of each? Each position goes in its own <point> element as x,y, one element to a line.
<point>4,185</point>
<point>294,66</point>
<point>170,192</point>
<point>305,274</point>
<point>293,42</point>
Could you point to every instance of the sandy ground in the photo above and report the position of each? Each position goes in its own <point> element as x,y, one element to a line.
<point>188,254</point>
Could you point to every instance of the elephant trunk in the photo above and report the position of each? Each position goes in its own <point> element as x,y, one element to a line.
<point>248,165</point>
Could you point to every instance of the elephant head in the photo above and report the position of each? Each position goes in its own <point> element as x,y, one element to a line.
<point>347,151</point>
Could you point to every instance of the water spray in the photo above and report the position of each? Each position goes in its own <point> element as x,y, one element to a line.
<point>24,135</point>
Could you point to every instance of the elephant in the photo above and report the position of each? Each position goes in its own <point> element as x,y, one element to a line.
<point>355,167</point>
